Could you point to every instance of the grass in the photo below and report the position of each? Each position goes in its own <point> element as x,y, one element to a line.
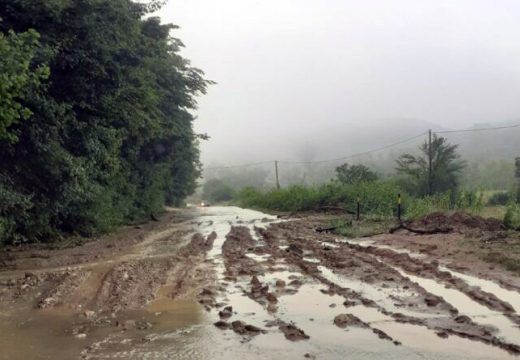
<point>505,254</point>
<point>496,212</point>
<point>364,228</point>
<point>376,198</point>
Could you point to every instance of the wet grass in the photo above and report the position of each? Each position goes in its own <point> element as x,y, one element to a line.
<point>505,254</point>
<point>496,212</point>
<point>369,226</point>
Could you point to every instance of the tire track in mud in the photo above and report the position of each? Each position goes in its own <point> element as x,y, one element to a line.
<point>353,258</point>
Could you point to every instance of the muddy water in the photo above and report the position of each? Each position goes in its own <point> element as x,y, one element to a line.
<point>183,329</point>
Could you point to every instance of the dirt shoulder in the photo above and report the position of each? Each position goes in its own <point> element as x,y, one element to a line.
<point>118,243</point>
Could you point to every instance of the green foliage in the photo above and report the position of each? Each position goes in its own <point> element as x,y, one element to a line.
<point>354,174</point>
<point>499,198</point>
<point>446,168</point>
<point>109,139</point>
<point>415,208</point>
<point>512,217</point>
<point>468,201</point>
<point>492,175</point>
<point>377,198</point>
<point>217,191</point>
<point>17,78</point>
<point>368,226</point>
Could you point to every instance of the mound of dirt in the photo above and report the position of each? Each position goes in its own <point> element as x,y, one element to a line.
<point>458,222</point>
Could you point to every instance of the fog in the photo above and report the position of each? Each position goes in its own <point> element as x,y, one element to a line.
<point>309,79</point>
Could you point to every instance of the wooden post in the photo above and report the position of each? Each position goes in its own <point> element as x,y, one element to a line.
<point>399,207</point>
<point>276,172</point>
<point>430,155</point>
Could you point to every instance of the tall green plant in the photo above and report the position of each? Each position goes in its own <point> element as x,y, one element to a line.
<point>446,168</point>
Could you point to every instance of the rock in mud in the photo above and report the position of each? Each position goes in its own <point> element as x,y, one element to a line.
<point>345,320</point>
<point>432,300</point>
<point>242,328</point>
<point>382,335</point>
<point>463,319</point>
<point>280,284</point>
<point>293,333</point>
<point>222,325</point>
<point>271,298</point>
<point>226,313</point>
<point>295,249</point>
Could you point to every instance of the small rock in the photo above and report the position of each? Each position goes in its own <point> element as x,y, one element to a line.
<point>226,313</point>
<point>462,319</point>
<point>344,320</point>
<point>80,336</point>
<point>442,334</point>
<point>222,325</point>
<point>271,298</point>
<point>431,300</point>
<point>280,283</point>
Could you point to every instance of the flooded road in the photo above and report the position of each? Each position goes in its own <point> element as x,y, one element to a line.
<point>228,283</point>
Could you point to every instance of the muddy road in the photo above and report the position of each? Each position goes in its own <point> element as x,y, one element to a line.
<point>228,283</point>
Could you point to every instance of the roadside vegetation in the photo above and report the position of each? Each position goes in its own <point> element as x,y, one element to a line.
<point>423,191</point>
<point>95,122</point>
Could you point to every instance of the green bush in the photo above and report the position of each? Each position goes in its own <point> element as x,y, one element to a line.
<point>377,198</point>
<point>499,198</point>
<point>512,217</point>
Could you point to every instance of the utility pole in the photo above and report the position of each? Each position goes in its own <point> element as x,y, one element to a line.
<point>276,172</point>
<point>430,155</point>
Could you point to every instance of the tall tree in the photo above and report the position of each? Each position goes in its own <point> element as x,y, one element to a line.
<point>446,167</point>
<point>353,174</point>
<point>110,138</point>
<point>17,78</point>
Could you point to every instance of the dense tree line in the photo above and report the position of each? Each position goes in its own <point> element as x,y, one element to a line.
<point>95,122</point>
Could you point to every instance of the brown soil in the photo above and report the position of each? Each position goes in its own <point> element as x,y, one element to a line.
<point>102,282</point>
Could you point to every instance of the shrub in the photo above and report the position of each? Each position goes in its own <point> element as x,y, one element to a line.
<point>499,198</point>
<point>377,198</point>
<point>512,217</point>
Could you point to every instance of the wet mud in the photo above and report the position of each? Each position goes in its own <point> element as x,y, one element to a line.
<point>220,283</point>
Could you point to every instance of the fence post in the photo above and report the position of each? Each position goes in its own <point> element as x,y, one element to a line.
<point>430,156</point>
<point>399,207</point>
<point>276,172</point>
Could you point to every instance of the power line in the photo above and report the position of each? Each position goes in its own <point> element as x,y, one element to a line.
<point>477,129</point>
<point>365,152</point>
<point>239,166</point>
<point>358,154</point>
<point>321,161</point>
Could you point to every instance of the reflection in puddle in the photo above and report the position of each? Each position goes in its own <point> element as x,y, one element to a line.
<point>384,297</point>
<point>512,297</point>
<point>466,306</point>
<point>416,337</point>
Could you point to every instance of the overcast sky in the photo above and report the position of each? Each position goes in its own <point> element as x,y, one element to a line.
<point>287,68</point>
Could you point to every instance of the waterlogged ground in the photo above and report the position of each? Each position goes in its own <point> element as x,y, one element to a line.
<point>229,283</point>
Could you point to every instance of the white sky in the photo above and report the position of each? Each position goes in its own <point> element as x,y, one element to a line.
<point>287,67</point>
